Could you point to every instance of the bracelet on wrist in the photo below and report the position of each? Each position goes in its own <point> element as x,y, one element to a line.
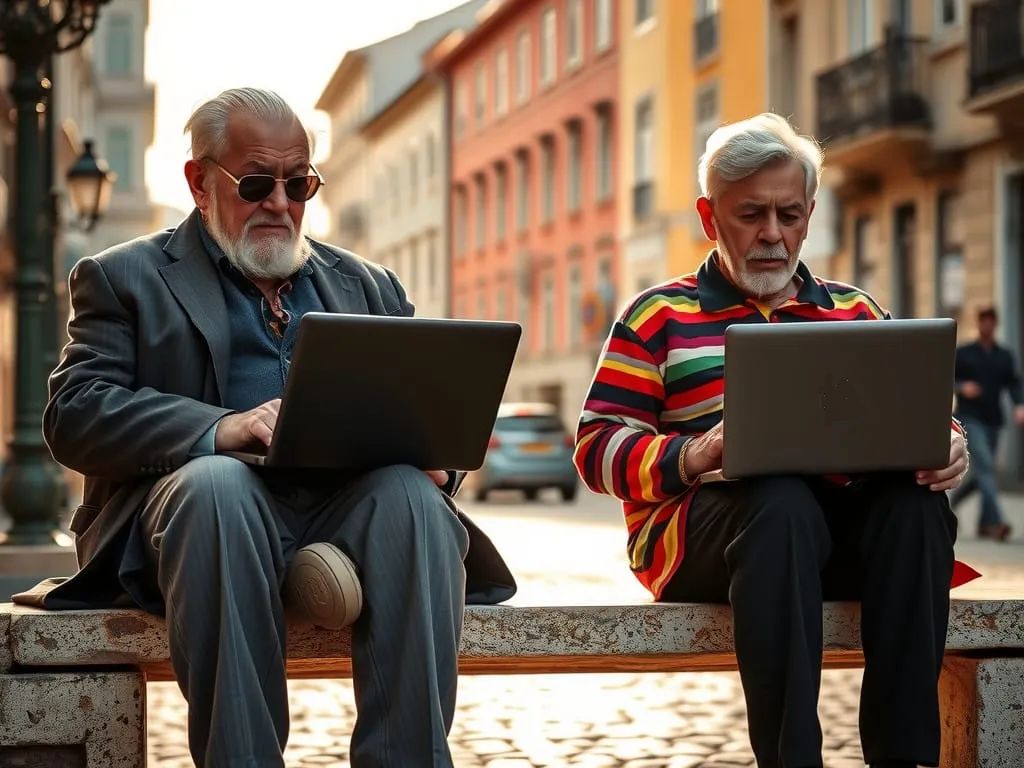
<point>682,463</point>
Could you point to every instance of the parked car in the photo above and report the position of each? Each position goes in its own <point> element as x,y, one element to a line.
<point>529,450</point>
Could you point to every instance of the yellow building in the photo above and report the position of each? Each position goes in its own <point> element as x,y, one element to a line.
<point>687,66</point>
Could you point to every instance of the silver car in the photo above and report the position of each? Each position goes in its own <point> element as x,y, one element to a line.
<point>529,450</point>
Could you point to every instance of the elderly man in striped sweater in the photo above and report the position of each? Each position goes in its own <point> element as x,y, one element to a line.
<point>773,547</point>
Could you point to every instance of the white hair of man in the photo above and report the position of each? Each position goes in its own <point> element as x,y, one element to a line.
<point>738,150</point>
<point>261,258</point>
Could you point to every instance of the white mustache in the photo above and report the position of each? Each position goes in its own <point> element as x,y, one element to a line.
<point>774,253</point>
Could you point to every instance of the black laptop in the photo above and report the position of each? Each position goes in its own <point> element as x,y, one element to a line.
<point>367,391</point>
<point>850,396</point>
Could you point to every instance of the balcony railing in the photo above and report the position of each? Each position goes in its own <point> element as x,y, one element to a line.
<point>882,88</point>
<point>705,36</point>
<point>643,200</point>
<point>997,44</point>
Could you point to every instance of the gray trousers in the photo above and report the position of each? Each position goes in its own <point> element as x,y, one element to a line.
<point>220,535</point>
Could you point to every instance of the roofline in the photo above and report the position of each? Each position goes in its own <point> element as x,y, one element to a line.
<point>492,13</point>
<point>332,91</point>
<point>409,96</point>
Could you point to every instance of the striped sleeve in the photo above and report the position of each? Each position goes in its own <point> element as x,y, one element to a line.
<point>619,450</point>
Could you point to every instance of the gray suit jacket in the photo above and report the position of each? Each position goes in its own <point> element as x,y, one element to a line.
<point>144,376</point>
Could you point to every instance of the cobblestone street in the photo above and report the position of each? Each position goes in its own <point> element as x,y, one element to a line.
<point>689,720</point>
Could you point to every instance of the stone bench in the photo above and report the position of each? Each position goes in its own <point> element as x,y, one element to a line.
<point>73,683</point>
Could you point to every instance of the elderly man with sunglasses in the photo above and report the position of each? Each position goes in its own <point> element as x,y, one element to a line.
<point>179,345</point>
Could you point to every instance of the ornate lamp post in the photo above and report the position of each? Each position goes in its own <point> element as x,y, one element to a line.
<point>30,32</point>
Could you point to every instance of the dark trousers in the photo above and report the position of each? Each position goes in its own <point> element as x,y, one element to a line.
<point>775,548</point>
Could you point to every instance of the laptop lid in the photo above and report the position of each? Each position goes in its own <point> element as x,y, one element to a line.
<point>366,391</point>
<point>851,396</point>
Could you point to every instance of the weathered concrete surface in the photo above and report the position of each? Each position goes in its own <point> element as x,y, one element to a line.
<point>54,638</point>
<point>104,711</point>
<point>982,712</point>
<point>5,641</point>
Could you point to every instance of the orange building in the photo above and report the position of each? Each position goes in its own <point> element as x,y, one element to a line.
<point>533,190</point>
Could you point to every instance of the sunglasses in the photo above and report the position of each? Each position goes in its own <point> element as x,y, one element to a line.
<point>257,187</point>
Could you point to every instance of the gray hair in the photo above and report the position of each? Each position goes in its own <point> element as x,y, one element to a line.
<point>208,125</point>
<point>739,149</point>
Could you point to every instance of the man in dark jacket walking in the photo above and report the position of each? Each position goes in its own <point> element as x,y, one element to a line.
<point>983,370</point>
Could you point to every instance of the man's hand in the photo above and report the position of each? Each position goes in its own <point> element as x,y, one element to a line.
<point>439,476</point>
<point>704,453</point>
<point>1018,415</point>
<point>239,431</point>
<point>970,390</point>
<point>949,478</point>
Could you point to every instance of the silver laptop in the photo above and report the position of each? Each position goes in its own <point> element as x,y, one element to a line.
<point>366,391</point>
<point>850,396</point>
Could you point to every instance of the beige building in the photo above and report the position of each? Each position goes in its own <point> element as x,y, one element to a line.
<point>405,149</point>
<point>367,82</point>
<point>919,105</point>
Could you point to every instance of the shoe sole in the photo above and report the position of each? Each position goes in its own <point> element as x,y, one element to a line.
<point>322,587</point>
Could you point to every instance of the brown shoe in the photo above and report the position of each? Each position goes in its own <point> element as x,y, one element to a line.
<point>996,531</point>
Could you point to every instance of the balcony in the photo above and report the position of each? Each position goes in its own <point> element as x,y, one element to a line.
<point>705,36</point>
<point>874,107</point>
<point>996,73</point>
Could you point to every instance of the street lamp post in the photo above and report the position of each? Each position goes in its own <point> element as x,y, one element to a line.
<point>30,32</point>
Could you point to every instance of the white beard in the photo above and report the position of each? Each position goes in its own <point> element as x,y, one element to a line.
<point>262,258</point>
<point>756,283</point>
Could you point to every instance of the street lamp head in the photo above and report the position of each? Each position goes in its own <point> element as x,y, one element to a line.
<point>89,184</point>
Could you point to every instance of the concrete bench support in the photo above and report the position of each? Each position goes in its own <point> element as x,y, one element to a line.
<point>73,719</point>
<point>982,703</point>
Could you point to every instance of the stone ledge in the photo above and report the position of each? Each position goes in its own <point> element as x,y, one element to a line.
<point>46,639</point>
<point>5,641</point>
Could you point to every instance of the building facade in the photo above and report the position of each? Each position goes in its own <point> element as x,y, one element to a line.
<point>533,192</point>
<point>920,107</point>
<point>408,210</point>
<point>367,82</point>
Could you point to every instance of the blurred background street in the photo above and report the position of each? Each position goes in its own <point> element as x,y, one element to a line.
<point>598,720</point>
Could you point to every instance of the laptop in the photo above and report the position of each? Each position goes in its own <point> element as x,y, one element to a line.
<point>838,397</point>
<point>367,391</point>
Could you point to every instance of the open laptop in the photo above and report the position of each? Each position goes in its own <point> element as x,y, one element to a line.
<point>851,396</point>
<point>367,391</point>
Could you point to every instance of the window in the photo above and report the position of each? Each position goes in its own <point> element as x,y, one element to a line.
<point>643,160</point>
<point>575,166</point>
<point>949,13</point>
<point>602,24</point>
<point>431,156</point>
<point>604,155</point>
<point>461,110</point>
<point>706,29</point>
<point>120,45</point>
<point>461,223</point>
<point>548,26</point>
<point>121,156</point>
<point>863,241</point>
<point>859,25</point>
<point>522,192</point>
<point>573,34</point>
<point>706,8</point>
<point>523,67</point>
<point>547,154</point>
<point>644,13</point>
<point>414,175</point>
<point>575,306</point>
<point>431,266</point>
<point>500,201</point>
<point>706,111</point>
<point>480,228</point>
<point>548,302</point>
<point>480,95</point>
<point>501,82</point>
<point>395,193</point>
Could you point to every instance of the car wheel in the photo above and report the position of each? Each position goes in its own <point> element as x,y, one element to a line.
<point>530,494</point>
<point>568,493</point>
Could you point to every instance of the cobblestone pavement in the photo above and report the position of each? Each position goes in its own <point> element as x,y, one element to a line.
<point>690,720</point>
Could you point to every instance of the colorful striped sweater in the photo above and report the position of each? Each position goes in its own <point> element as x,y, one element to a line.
<point>660,382</point>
